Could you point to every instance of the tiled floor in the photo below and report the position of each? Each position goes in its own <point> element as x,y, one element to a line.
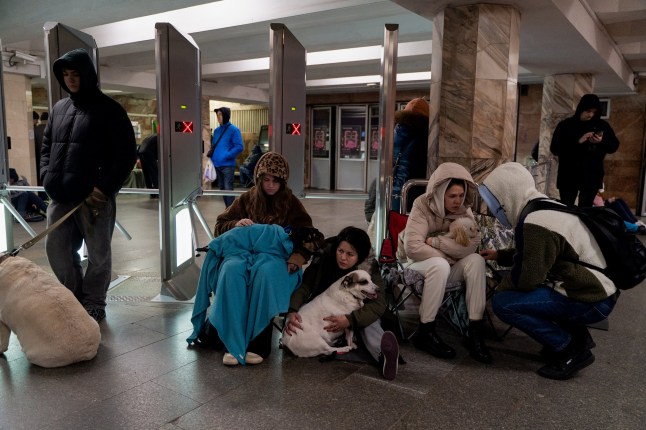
<point>145,376</point>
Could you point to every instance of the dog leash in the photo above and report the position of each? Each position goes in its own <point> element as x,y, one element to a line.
<point>39,236</point>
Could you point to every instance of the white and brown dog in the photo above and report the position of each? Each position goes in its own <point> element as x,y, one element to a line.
<point>341,298</point>
<point>52,326</point>
<point>462,230</point>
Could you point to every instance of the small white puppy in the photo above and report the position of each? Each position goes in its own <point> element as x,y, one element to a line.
<point>462,230</point>
<point>341,298</point>
<point>52,326</point>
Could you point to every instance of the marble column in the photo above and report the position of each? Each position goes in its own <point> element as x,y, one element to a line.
<point>474,91</point>
<point>19,124</point>
<point>561,95</point>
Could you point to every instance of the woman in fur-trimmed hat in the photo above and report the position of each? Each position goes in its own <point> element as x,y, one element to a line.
<point>269,201</point>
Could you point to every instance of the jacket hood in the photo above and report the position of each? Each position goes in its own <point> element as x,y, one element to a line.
<point>79,60</point>
<point>438,183</point>
<point>513,186</point>
<point>588,101</point>
<point>226,114</point>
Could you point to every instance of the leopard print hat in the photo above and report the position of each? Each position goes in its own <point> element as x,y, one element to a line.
<point>273,164</point>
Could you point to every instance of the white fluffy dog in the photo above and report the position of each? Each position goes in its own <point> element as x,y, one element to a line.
<point>462,230</point>
<point>52,327</point>
<point>341,298</point>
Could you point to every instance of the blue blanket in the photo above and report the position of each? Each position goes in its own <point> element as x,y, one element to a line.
<point>246,270</point>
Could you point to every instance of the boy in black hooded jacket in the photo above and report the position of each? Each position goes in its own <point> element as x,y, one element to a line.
<point>87,153</point>
<point>581,143</point>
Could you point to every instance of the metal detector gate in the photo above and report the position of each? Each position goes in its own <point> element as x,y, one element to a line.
<point>6,221</point>
<point>60,39</point>
<point>287,102</point>
<point>180,144</point>
<point>387,95</point>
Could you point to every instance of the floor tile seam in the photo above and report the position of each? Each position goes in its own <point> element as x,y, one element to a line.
<point>164,387</point>
<point>394,385</point>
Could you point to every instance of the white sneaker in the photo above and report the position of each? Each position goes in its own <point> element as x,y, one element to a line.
<point>252,358</point>
<point>229,360</point>
<point>640,222</point>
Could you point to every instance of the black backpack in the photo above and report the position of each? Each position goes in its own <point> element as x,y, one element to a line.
<point>624,253</point>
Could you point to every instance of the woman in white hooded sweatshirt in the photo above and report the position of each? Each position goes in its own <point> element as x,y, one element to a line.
<point>450,193</point>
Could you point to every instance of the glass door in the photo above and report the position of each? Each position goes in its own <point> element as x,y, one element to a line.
<point>373,156</point>
<point>321,165</point>
<point>351,154</point>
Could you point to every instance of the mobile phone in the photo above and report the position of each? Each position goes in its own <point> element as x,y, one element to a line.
<point>598,133</point>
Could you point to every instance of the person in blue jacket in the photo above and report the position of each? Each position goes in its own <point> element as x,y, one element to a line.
<point>226,144</point>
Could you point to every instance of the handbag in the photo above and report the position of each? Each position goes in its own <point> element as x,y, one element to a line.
<point>210,174</point>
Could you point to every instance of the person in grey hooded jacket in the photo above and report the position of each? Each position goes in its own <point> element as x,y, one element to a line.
<point>88,151</point>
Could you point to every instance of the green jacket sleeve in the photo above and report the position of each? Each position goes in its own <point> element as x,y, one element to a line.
<point>373,309</point>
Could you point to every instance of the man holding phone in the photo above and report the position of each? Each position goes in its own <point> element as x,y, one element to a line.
<point>581,143</point>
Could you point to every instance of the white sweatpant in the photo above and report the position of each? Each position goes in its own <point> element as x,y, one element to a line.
<point>438,273</point>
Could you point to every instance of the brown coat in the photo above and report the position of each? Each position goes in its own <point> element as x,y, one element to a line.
<point>283,209</point>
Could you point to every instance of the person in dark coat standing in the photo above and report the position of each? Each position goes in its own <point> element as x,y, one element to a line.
<point>410,154</point>
<point>581,143</point>
<point>88,151</point>
<point>39,130</point>
<point>148,153</point>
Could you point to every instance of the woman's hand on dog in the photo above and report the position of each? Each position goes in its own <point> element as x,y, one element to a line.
<point>336,323</point>
<point>293,322</point>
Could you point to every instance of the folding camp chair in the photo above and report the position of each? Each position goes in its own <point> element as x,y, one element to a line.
<point>402,283</point>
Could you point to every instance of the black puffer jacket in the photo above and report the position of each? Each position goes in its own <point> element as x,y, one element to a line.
<point>89,141</point>
<point>581,164</point>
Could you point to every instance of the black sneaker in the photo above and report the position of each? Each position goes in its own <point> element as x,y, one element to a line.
<point>389,357</point>
<point>568,366</point>
<point>30,217</point>
<point>97,313</point>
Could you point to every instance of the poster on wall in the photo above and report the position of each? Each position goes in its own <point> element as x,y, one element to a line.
<point>374,142</point>
<point>351,142</point>
<point>320,145</point>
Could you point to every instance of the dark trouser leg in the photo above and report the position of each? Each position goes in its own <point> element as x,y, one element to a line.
<point>62,245</point>
<point>586,197</point>
<point>225,182</point>
<point>547,316</point>
<point>622,209</point>
<point>20,203</point>
<point>33,199</point>
<point>97,232</point>
<point>261,344</point>
<point>150,170</point>
<point>568,195</point>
